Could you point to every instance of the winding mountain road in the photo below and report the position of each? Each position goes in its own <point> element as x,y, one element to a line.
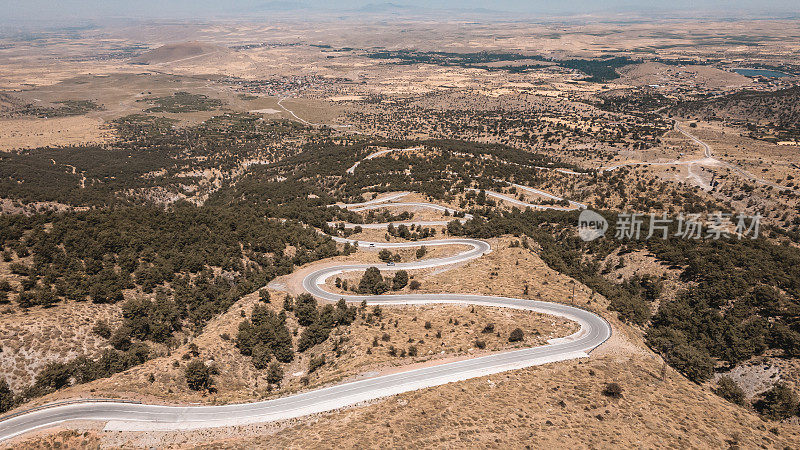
<point>126,416</point>
<point>708,160</point>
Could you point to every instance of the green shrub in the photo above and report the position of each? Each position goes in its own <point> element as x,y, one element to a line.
<point>372,282</point>
<point>385,255</point>
<point>288,303</point>
<point>305,309</point>
<point>102,329</point>
<point>312,335</point>
<point>265,334</point>
<point>612,390</point>
<point>315,363</point>
<point>121,338</point>
<point>261,357</point>
<point>400,280</point>
<point>778,403</point>
<point>53,376</point>
<point>198,376</point>
<point>6,396</point>
<point>729,390</point>
<point>696,364</point>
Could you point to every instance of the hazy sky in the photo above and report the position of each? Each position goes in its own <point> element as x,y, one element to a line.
<point>22,10</point>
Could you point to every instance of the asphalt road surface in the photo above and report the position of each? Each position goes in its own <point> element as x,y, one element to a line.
<point>140,417</point>
<point>593,331</point>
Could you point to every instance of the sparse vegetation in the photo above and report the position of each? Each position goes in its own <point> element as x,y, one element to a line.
<point>198,376</point>
<point>315,363</point>
<point>778,403</point>
<point>730,391</point>
<point>182,102</point>
<point>613,390</point>
<point>63,108</point>
<point>165,226</point>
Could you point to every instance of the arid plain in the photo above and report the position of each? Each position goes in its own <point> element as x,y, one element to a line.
<point>184,173</point>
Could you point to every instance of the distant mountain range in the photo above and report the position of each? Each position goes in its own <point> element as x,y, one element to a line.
<point>75,11</point>
<point>383,7</point>
<point>369,8</point>
<point>279,5</point>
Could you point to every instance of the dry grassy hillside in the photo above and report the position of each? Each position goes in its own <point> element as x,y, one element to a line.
<point>234,113</point>
<point>655,73</point>
<point>779,107</point>
<point>360,350</point>
<point>438,332</point>
<point>175,52</point>
<point>559,405</point>
<point>30,339</point>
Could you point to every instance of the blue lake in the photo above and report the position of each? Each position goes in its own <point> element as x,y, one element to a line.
<point>760,73</point>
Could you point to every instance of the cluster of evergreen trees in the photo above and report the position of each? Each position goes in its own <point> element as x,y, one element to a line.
<point>373,283</point>
<point>411,232</point>
<point>99,253</point>
<point>56,375</point>
<point>266,338</point>
<point>194,261</point>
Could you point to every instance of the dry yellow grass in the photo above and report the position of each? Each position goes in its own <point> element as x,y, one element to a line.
<point>559,405</point>
<point>467,414</point>
<point>452,332</point>
<point>239,381</point>
<point>30,339</point>
<point>60,131</point>
<point>63,439</point>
